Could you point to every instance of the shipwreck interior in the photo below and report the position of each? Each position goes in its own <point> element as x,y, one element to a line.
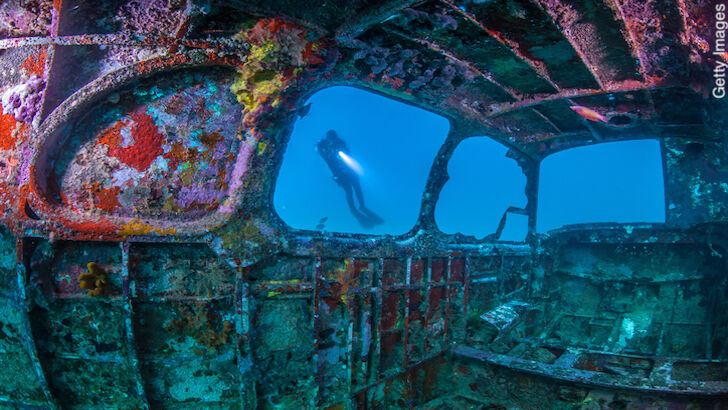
<point>143,263</point>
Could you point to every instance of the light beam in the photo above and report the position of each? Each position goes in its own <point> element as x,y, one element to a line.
<point>351,162</point>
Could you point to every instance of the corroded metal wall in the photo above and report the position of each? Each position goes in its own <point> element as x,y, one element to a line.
<point>143,266</point>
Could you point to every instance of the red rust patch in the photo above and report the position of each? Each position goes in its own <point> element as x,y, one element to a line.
<point>147,141</point>
<point>390,310</point>
<point>157,63</point>
<point>457,270</point>
<point>438,270</point>
<point>106,199</point>
<point>8,135</point>
<point>112,135</point>
<point>35,64</point>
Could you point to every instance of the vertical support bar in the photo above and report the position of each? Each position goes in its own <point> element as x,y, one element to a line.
<point>318,276</point>
<point>349,363</point>
<point>500,279</point>
<point>377,319</point>
<point>362,311</point>
<point>709,323</point>
<point>350,274</point>
<point>243,351</point>
<point>466,294</point>
<point>447,301</point>
<point>405,337</point>
<point>426,304</point>
<point>50,58</point>
<point>128,292</point>
<point>21,275</point>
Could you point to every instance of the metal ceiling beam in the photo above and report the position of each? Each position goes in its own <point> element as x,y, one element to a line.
<point>578,44</point>
<point>365,20</point>
<point>446,54</point>
<point>651,49</point>
<point>637,52</point>
<point>502,108</point>
<point>512,45</point>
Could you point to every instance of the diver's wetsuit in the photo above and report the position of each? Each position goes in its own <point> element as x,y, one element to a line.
<point>329,148</point>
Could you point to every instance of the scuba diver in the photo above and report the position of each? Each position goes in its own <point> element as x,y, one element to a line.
<point>335,152</point>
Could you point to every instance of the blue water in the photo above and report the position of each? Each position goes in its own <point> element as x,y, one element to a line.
<point>395,144</point>
<point>608,182</point>
<point>483,184</point>
<point>391,148</point>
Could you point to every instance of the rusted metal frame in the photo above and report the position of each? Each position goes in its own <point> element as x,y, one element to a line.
<point>503,108</point>
<point>85,40</point>
<point>395,288</point>
<point>447,300</point>
<point>529,279</point>
<point>593,69</point>
<point>446,54</point>
<point>243,351</point>
<point>49,57</point>
<point>283,287</point>
<point>637,51</point>
<point>318,276</point>
<point>365,303</point>
<point>682,8</point>
<point>571,374</point>
<point>547,119</point>
<point>364,20</point>
<point>500,279</point>
<point>21,276</point>
<point>371,248</point>
<point>349,362</point>
<point>377,301</point>
<point>56,17</point>
<point>392,288</point>
<point>128,292</point>
<point>426,303</point>
<point>162,299</point>
<point>466,293</point>
<point>182,29</point>
<point>107,300</point>
<point>502,222</point>
<point>358,342</point>
<point>539,68</point>
<point>405,337</point>
<point>393,376</point>
<point>349,333</point>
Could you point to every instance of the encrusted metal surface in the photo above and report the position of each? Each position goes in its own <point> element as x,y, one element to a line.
<point>139,145</point>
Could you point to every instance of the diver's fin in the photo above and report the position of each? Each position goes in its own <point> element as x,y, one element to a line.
<point>373,218</point>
